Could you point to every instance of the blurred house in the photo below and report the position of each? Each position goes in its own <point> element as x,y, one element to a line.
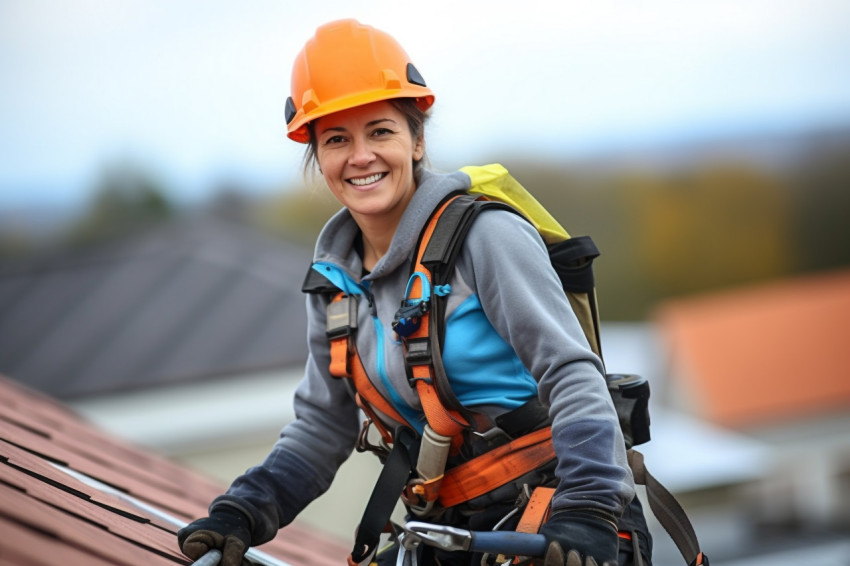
<point>179,303</point>
<point>770,364</point>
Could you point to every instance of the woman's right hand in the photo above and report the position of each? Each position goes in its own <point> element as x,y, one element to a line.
<point>225,529</point>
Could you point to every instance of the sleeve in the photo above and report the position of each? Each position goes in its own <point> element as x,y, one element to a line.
<point>506,263</point>
<point>310,449</point>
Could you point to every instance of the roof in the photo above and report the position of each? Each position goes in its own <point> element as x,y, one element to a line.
<point>177,303</point>
<point>74,495</point>
<point>764,354</point>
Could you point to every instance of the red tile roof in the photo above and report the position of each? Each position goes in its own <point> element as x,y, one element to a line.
<point>71,494</point>
<point>765,354</point>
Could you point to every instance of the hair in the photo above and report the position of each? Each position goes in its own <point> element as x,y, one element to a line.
<point>415,117</point>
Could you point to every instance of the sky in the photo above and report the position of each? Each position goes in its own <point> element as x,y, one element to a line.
<point>195,89</point>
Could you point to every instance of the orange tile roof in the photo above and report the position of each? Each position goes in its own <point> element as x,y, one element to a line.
<point>767,353</point>
<point>52,515</point>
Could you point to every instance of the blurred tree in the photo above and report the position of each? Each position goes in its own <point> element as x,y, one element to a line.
<point>126,198</point>
<point>230,201</point>
<point>664,234</point>
<point>15,244</point>
<point>711,227</point>
<point>297,214</point>
<point>821,206</point>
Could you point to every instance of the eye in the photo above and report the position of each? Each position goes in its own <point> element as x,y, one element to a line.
<point>332,140</point>
<point>381,131</point>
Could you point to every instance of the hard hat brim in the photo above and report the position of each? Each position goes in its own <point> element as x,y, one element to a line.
<point>297,128</point>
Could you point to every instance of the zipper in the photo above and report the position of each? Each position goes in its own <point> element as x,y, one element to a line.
<point>409,413</point>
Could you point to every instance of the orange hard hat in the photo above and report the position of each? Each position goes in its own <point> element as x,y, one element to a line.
<point>347,64</point>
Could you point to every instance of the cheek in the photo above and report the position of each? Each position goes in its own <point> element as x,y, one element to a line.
<point>327,165</point>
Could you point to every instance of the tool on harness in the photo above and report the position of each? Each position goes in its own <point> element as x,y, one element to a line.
<point>430,470</point>
<point>630,394</point>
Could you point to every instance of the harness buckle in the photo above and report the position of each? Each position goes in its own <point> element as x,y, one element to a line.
<point>409,316</point>
<point>417,353</point>
<point>341,317</point>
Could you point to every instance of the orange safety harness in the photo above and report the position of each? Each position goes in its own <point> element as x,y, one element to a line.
<point>465,481</point>
<point>420,328</point>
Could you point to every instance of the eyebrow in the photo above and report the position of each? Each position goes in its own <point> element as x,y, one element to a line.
<point>368,124</point>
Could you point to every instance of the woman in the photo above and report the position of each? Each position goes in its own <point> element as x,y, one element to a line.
<point>360,105</point>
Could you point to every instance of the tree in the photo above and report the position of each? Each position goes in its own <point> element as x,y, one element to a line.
<point>126,199</point>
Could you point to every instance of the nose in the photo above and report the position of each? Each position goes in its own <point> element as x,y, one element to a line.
<point>361,152</point>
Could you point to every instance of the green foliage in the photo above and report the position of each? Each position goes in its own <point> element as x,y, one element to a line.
<point>821,204</point>
<point>14,244</point>
<point>297,214</point>
<point>126,199</point>
<point>709,228</point>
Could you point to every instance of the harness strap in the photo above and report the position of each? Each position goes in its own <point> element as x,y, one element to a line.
<point>535,514</point>
<point>418,351</point>
<point>339,357</point>
<point>388,488</point>
<point>346,363</point>
<point>668,511</point>
<point>537,510</point>
<point>497,467</point>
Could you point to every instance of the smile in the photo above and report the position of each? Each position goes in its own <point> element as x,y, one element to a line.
<point>362,181</point>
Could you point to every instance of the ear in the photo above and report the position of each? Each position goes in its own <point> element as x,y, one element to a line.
<point>419,148</point>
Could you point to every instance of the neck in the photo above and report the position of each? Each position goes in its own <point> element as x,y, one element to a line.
<point>377,236</point>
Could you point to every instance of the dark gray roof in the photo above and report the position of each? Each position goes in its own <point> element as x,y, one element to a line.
<point>180,302</point>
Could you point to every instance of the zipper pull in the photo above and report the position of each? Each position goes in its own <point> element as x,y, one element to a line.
<point>370,298</point>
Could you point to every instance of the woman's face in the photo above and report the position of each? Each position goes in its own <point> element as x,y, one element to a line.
<point>366,156</point>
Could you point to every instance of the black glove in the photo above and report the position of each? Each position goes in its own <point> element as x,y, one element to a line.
<point>579,538</point>
<point>225,529</point>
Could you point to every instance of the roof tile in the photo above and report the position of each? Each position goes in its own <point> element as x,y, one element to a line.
<point>73,495</point>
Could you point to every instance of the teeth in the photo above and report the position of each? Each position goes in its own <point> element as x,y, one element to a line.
<point>367,180</point>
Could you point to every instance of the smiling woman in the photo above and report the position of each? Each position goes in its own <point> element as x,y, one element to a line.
<point>516,370</point>
<point>367,155</point>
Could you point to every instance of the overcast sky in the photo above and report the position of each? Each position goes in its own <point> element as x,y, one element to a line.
<point>196,88</point>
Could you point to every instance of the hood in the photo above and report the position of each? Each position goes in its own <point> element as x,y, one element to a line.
<point>336,240</point>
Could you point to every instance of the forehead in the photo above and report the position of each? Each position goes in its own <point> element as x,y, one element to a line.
<point>360,116</point>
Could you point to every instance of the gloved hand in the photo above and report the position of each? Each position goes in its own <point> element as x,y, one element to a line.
<point>225,529</point>
<point>578,538</point>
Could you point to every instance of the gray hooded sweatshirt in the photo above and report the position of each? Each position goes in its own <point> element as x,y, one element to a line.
<point>510,335</point>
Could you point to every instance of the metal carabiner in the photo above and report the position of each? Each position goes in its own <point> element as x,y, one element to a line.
<point>407,550</point>
<point>382,449</point>
<point>493,542</point>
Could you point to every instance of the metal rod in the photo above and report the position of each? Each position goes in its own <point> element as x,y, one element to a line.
<point>211,558</point>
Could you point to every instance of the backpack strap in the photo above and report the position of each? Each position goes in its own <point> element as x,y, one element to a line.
<point>416,325</point>
<point>437,251</point>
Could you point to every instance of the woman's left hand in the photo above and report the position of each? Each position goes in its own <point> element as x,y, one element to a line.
<point>578,538</point>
